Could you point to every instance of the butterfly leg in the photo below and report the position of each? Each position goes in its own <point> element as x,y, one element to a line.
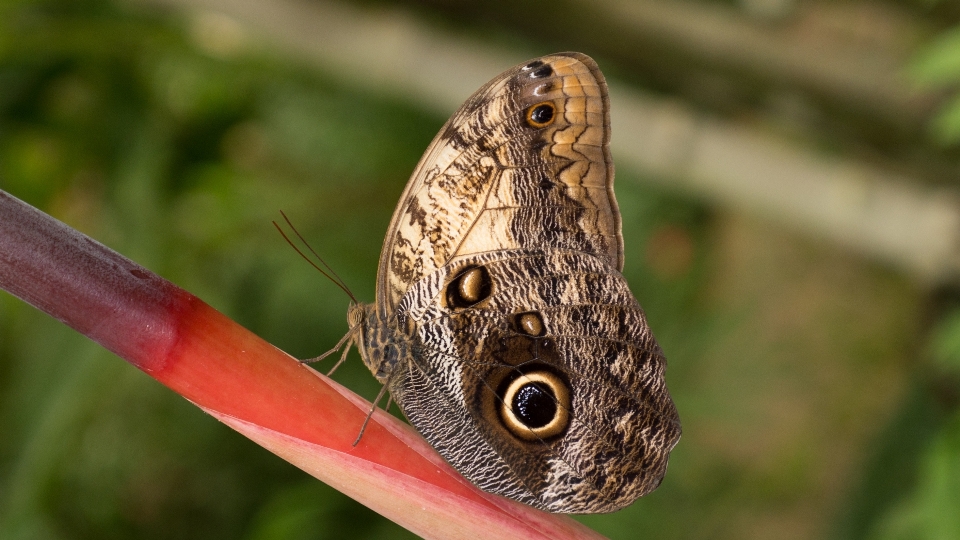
<point>370,414</point>
<point>389,402</point>
<point>343,356</point>
<point>348,339</point>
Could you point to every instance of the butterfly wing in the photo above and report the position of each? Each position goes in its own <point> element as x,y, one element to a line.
<point>514,344</point>
<point>497,178</point>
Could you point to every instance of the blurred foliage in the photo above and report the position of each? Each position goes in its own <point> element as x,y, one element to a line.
<point>929,510</point>
<point>177,139</point>
<point>937,65</point>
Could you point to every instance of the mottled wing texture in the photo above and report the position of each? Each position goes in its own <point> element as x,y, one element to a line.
<point>516,193</point>
<point>623,424</point>
<point>491,180</point>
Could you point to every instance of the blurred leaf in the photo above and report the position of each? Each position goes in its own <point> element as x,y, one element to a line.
<point>305,512</point>
<point>946,124</point>
<point>938,63</point>
<point>930,512</point>
<point>946,340</point>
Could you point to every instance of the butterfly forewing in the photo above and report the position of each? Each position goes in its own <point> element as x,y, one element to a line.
<point>494,178</point>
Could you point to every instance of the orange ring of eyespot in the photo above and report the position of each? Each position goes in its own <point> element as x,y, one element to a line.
<point>561,418</point>
<point>534,123</point>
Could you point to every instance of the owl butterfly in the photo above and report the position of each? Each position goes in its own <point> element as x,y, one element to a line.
<point>503,327</point>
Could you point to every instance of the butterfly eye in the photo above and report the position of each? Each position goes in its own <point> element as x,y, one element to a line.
<point>355,315</point>
<point>530,324</point>
<point>469,287</point>
<point>541,115</point>
<point>536,405</point>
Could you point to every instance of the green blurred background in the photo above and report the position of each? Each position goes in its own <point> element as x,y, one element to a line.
<point>817,384</point>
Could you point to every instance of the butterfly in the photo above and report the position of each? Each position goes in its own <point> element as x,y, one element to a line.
<point>503,327</point>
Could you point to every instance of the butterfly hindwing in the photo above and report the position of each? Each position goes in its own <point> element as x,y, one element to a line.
<point>595,339</point>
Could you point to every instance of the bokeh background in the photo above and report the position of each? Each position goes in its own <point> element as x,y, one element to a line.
<point>787,172</point>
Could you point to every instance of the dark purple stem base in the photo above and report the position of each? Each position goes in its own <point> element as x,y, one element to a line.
<point>88,286</point>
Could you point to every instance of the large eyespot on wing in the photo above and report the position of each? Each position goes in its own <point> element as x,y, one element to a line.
<point>523,164</point>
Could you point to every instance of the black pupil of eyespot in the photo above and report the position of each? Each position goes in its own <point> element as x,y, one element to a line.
<point>534,405</point>
<point>542,114</point>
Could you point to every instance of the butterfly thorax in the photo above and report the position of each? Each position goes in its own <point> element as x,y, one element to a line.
<point>382,342</point>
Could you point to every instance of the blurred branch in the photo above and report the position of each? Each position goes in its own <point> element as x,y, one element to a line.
<point>791,51</point>
<point>874,212</point>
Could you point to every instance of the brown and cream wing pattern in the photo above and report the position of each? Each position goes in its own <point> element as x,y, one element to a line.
<point>524,164</point>
<point>558,318</point>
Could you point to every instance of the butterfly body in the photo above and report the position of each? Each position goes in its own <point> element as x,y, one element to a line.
<point>503,327</point>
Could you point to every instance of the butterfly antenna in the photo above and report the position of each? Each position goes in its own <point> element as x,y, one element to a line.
<point>334,277</point>
<point>315,254</point>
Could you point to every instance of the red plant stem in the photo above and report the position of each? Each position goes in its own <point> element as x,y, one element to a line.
<point>249,384</point>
